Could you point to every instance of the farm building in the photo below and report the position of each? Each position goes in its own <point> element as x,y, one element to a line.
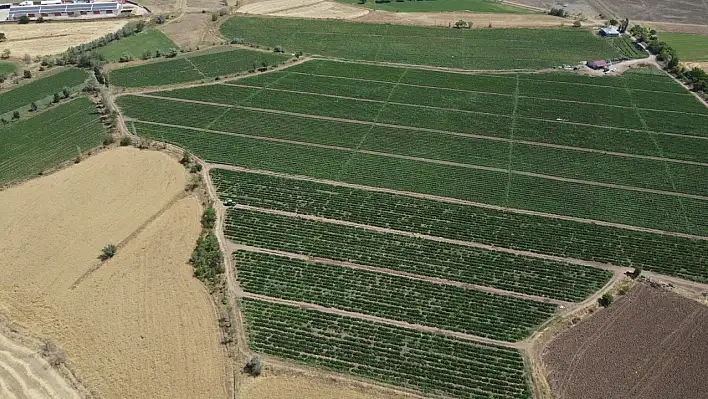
<point>609,32</point>
<point>598,64</point>
<point>71,10</point>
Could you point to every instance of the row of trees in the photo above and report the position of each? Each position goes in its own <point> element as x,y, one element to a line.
<point>696,77</point>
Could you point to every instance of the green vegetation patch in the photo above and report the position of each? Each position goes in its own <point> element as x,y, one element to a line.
<point>458,48</point>
<point>689,47</point>
<point>430,363</point>
<point>670,255</point>
<point>137,45</point>
<point>6,68</point>
<point>50,138</point>
<point>398,298</point>
<point>194,67</point>
<point>490,6</point>
<point>38,89</point>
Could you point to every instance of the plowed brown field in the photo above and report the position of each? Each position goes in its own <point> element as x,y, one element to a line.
<point>138,326</point>
<point>649,344</point>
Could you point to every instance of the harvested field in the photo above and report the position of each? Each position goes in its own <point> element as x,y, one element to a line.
<point>139,325</point>
<point>480,6</point>
<point>289,386</point>
<point>648,344</point>
<point>54,37</point>
<point>192,30</point>
<point>324,9</point>
<point>498,20</point>
<point>25,374</point>
<point>676,11</point>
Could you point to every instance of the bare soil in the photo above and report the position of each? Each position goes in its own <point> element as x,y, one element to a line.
<point>54,37</point>
<point>478,19</point>
<point>304,9</point>
<point>192,30</point>
<point>138,325</point>
<point>649,344</point>
<point>284,386</point>
<point>677,11</point>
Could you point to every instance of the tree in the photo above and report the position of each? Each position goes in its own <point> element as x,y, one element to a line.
<point>27,74</point>
<point>462,24</point>
<point>66,92</point>
<point>24,20</point>
<point>125,141</point>
<point>254,366</point>
<point>108,252</point>
<point>186,158</point>
<point>637,272</point>
<point>147,54</point>
<point>126,57</point>
<point>2,37</point>
<point>171,53</point>
<point>558,12</point>
<point>15,114</point>
<point>605,300</point>
<point>577,24</point>
<point>57,98</point>
<point>613,22</point>
<point>33,107</point>
<point>209,218</point>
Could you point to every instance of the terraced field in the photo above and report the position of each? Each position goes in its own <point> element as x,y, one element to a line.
<point>29,147</point>
<point>391,221</point>
<point>193,68</point>
<point>38,89</point>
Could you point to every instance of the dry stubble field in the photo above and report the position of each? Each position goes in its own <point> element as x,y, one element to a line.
<point>649,344</point>
<point>140,325</point>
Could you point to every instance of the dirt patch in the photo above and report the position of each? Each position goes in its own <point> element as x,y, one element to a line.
<point>702,65</point>
<point>300,386</point>
<point>304,9</point>
<point>193,30</point>
<point>478,20</point>
<point>161,6</point>
<point>676,11</point>
<point>677,28</point>
<point>648,344</point>
<point>139,326</point>
<point>54,37</point>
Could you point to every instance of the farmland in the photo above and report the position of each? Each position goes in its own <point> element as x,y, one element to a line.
<point>6,68</point>
<point>392,297</point>
<point>193,68</point>
<point>27,147</point>
<point>422,361</point>
<point>443,6</point>
<point>467,49</point>
<point>38,89</point>
<point>689,47</point>
<point>135,45</point>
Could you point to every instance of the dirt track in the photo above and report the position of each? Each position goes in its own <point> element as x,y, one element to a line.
<point>140,325</point>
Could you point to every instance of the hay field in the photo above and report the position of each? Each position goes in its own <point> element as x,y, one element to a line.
<point>283,386</point>
<point>139,326</point>
<point>55,37</point>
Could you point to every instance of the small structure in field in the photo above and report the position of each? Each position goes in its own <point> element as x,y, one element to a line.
<point>597,64</point>
<point>609,32</point>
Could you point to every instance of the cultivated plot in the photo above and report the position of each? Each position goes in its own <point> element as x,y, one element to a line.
<point>38,89</point>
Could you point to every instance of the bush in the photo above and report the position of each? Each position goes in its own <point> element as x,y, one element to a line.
<point>15,114</point>
<point>147,54</point>
<point>613,22</point>
<point>57,98</point>
<point>278,49</point>
<point>254,366</point>
<point>605,300</point>
<point>108,140</point>
<point>186,158</point>
<point>2,37</point>
<point>577,24</point>
<point>24,20</point>
<point>54,355</point>
<point>27,74</point>
<point>558,12</point>
<point>209,218</point>
<point>125,141</point>
<point>196,168</point>
<point>108,252</point>
<point>637,272</point>
<point>171,53</point>
<point>207,258</point>
<point>66,92</point>
<point>126,57</point>
<point>214,17</point>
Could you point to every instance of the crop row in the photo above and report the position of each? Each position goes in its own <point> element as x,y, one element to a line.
<point>192,68</point>
<point>467,49</point>
<point>414,301</point>
<point>429,363</point>
<point>38,89</point>
<point>670,255</point>
<point>411,142</point>
<point>497,188</point>
<point>627,48</point>
<point>29,147</point>
<point>414,255</point>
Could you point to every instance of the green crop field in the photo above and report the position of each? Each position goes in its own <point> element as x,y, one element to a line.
<point>689,47</point>
<point>669,255</point>
<point>38,89</point>
<point>423,361</point>
<point>6,68</point>
<point>466,204</point>
<point>490,6</point>
<point>468,49</point>
<point>50,138</point>
<point>135,45</point>
<point>391,297</point>
<point>193,68</point>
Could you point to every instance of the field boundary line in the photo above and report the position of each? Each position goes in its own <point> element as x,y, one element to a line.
<point>471,244</point>
<point>446,163</point>
<point>457,201</point>
<point>511,140</point>
<point>381,320</point>
<point>434,280</point>
<point>195,67</point>
<point>453,133</point>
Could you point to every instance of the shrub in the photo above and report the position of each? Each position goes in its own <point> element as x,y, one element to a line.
<point>24,20</point>
<point>125,141</point>
<point>2,37</point>
<point>15,114</point>
<point>254,366</point>
<point>126,57</point>
<point>147,54</point>
<point>637,272</point>
<point>196,168</point>
<point>27,74</point>
<point>57,98</point>
<point>108,140</point>
<point>613,22</point>
<point>186,158</point>
<point>605,300</point>
<point>577,24</point>
<point>54,355</point>
<point>207,258</point>
<point>278,49</point>
<point>66,92</point>
<point>171,53</point>
<point>108,252</point>
<point>214,17</point>
<point>5,54</point>
<point>558,12</point>
<point>209,218</point>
